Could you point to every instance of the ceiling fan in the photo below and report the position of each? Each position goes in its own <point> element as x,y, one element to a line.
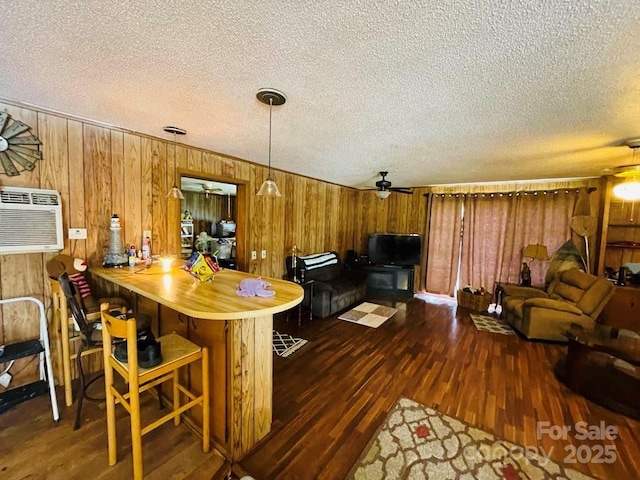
<point>384,187</point>
<point>209,190</point>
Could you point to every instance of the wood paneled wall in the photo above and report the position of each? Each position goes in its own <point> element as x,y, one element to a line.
<point>100,171</point>
<point>399,213</point>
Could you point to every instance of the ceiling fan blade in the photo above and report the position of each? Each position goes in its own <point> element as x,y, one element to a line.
<point>406,190</point>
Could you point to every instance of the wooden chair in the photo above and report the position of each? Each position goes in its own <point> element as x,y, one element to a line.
<point>69,338</point>
<point>177,352</point>
<point>90,336</point>
<point>63,322</point>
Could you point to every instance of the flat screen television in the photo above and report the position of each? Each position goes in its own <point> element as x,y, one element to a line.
<point>394,249</point>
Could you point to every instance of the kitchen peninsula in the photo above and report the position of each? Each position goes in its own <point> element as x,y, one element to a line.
<point>237,330</point>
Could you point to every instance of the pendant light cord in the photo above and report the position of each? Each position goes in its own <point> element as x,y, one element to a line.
<point>270,107</point>
<point>175,164</point>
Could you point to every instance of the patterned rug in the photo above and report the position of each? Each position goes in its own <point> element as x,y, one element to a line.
<point>369,314</point>
<point>485,323</point>
<point>285,345</point>
<point>416,442</point>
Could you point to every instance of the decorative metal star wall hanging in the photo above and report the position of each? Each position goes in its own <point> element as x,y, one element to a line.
<point>17,152</point>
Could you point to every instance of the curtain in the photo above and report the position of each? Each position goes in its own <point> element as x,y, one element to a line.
<point>489,227</point>
<point>497,227</point>
<point>443,244</point>
<point>543,219</point>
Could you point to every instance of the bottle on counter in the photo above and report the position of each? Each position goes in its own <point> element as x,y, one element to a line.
<point>146,250</point>
<point>132,256</point>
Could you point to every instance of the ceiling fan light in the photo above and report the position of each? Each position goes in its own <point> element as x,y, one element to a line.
<point>382,194</point>
<point>269,189</point>
<point>629,190</point>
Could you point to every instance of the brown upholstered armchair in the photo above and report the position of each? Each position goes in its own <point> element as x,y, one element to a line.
<point>572,297</point>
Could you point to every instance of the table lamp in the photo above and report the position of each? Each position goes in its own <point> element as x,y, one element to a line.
<point>533,252</point>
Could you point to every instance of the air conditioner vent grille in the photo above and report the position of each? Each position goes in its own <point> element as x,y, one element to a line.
<point>15,197</point>
<point>30,220</point>
<point>38,228</point>
<point>44,199</point>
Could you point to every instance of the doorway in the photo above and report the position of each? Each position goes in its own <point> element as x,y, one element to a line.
<point>212,218</point>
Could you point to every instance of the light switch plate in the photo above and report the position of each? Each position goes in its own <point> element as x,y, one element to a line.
<point>146,233</point>
<point>77,233</point>
<point>263,254</point>
<point>254,255</point>
<point>5,379</point>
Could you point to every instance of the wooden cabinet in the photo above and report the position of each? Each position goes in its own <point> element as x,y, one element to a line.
<point>623,310</point>
<point>390,280</point>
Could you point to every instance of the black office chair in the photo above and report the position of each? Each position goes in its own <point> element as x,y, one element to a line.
<point>91,336</point>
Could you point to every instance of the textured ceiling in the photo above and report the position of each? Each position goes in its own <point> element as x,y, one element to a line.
<point>472,91</point>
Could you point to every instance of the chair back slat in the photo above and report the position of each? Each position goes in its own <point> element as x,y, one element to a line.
<point>77,312</point>
<point>117,327</point>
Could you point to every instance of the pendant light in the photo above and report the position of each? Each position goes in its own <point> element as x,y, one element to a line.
<point>271,97</point>
<point>175,192</point>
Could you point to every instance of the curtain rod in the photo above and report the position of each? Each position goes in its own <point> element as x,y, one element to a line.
<point>516,193</point>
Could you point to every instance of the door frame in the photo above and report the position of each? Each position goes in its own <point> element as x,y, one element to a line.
<point>242,232</point>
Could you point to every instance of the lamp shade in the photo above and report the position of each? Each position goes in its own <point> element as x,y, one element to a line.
<point>175,192</point>
<point>536,252</point>
<point>382,194</point>
<point>269,189</point>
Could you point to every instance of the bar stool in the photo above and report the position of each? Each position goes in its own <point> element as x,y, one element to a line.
<point>63,321</point>
<point>177,352</point>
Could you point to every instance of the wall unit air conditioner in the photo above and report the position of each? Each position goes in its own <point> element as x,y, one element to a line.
<point>30,220</point>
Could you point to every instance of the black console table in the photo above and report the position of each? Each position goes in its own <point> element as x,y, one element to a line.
<point>389,280</point>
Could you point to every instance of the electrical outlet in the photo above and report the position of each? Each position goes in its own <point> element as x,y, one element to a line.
<point>263,254</point>
<point>5,379</point>
<point>77,234</point>
<point>254,255</point>
<point>146,233</point>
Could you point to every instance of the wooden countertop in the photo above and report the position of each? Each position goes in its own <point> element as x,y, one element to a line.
<point>214,300</point>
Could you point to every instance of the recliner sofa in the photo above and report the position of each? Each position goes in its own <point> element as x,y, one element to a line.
<point>335,288</point>
<point>573,296</point>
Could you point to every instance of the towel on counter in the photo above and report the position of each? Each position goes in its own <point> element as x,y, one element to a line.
<point>254,287</point>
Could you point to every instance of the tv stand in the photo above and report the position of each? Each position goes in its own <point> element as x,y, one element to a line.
<point>390,280</point>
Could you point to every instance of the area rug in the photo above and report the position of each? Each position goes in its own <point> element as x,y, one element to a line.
<point>485,323</point>
<point>284,344</point>
<point>416,442</point>
<point>369,314</point>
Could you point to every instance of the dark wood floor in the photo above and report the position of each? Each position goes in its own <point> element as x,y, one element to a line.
<point>331,396</point>
<point>33,447</point>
